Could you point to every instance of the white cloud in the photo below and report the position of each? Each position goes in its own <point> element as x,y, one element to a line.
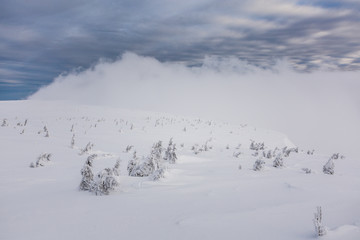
<point>316,110</point>
<point>283,8</point>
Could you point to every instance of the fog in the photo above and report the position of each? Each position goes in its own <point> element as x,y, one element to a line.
<point>319,110</point>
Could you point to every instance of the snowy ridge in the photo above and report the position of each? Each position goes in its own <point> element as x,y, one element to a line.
<point>211,192</point>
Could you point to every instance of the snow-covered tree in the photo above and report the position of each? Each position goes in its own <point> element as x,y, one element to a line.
<point>170,154</point>
<point>258,165</point>
<point>87,182</point>
<point>320,230</point>
<point>168,150</point>
<point>157,150</point>
<point>87,148</point>
<point>128,148</point>
<point>236,154</point>
<point>157,174</point>
<point>278,162</point>
<point>116,168</point>
<point>42,160</point>
<point>105,182</point>
<point>257,146</point>
<point>329,167</point>
<point>310,152</point>
<point>72,144</point>
<point>151,165</point>
<point>133,163</point>
<point>5,123</point>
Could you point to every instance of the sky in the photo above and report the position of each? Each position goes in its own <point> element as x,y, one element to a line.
<point>41,39</point>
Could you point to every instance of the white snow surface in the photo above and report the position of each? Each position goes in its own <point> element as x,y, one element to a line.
<point>203,196</point>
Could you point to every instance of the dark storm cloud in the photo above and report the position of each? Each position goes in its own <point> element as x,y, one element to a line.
<point>40,39</point>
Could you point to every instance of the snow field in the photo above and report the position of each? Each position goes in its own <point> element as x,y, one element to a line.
<point>203,195</point>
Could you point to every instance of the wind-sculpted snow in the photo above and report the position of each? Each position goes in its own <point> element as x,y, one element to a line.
<point>318,109</point>
<point>210,191</point>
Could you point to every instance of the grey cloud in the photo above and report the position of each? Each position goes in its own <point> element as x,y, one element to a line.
<point>62,35</point>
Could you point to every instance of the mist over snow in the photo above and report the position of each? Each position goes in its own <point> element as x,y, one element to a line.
<point>318,110</point>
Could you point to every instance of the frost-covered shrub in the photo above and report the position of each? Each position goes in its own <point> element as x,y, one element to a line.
<point>72,144</point>
<point>320,230</point>
<point>87,148</point>
<point>278,162</point>
<point>168,150</point>
<point>286,151</point>
<point>196,149</point>
<point>258,165</point>
<point>157,150</point>
<point>116,168</point>
<point>128,148</point>
<point>310,152</point>
<point>329,167</point>
<point>132,164</point>
<point>144,169</point>
<point>42,160</point>
<point>236,154</point>
<point>170,154</point>
<point>5,123</point>
<point>157,174</point>
<point>337,156</point>
<point>87,182</point>
<point>105,182</point>
<point>150,166</point>
<point>257,146</point>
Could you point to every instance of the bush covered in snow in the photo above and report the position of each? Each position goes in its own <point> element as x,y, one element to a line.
<point>42,160</point>
<point>151,166</point>
<point>87,148</point>
<point>87,181</point>
<point>278,162</point>
<point>257,146</point>
<point>170,154</point>
<point>258,165</point>
<point>104,182</point>
<point>320,230</point>
<point>329,167</point>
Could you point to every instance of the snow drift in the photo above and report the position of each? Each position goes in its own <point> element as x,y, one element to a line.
<point>317,110</point>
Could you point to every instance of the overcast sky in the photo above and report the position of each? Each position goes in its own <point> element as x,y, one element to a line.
<point>40,39</point>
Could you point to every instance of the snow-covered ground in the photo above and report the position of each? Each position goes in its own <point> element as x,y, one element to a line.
<point>203,196</point>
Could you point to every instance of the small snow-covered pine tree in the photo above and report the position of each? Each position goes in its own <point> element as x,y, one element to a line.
<point>258,165</point>
<point>172,156</point>
<point>87,182</point>
<point>105,182</point>
<point>5,123</point>
<point>116,169</point>
<point>42,160</point>
<point>320,230</point>
<point>72,144</point>
<point>278,162</point>
<point>168,150</point>
<point>87,148</point>
<point>133,163</point>
<point>329,167</point>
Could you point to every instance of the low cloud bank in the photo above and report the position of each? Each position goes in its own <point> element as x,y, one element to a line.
<point>318,110</point>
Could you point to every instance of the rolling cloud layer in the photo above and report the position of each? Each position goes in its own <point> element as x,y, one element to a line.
<point>40,39</point>
<point>318,110</point>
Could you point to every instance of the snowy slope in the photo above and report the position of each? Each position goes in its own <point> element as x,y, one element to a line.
<point>203,196</point>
